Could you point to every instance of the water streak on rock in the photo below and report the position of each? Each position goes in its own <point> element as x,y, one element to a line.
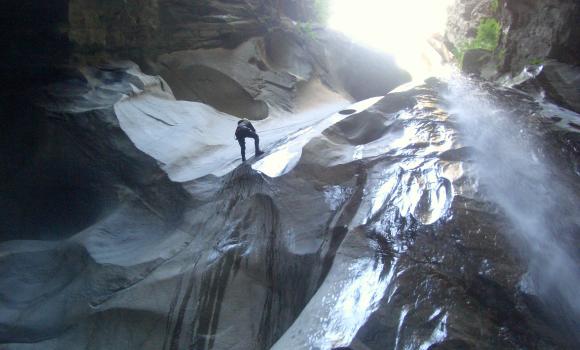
<point>517,174</point>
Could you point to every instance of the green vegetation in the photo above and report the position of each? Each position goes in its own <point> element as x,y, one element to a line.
<point>316,13</point>
<point>307,29</point>
<point>487,34</point>
<point>536,61</point>
<point>321,11</point>
<point>494,5</point>
<point>487,38</point>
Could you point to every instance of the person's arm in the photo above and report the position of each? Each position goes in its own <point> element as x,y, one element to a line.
<point>251,127</point>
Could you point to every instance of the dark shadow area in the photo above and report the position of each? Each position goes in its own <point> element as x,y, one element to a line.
<point>49,190</point>
<point>33,42</point>
<point>347,111</point>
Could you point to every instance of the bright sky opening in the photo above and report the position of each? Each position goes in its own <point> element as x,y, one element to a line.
<point>400,27</point>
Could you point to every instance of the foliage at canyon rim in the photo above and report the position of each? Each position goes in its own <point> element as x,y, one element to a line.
<point>487,38</point>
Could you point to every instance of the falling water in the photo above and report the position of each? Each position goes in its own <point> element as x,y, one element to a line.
<point>527,187</point>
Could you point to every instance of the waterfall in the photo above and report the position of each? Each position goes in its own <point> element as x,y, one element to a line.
<point>527,187</point>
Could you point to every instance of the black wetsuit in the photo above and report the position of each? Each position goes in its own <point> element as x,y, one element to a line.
<point>246,129</point>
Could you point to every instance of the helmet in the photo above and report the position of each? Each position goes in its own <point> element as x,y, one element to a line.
<point>242,120</point>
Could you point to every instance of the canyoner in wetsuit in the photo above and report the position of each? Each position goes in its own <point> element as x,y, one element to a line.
<point>246,129</point>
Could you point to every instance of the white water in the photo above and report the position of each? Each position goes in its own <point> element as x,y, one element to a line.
<point>528,190</point>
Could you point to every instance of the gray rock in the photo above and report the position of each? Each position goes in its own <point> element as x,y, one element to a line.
<point>559,81</point>
<point>464,18</point>
<point>541,29</point>
<point>275,70</point>
<point>376,236</point>
<point>360,71</point>
<point>531,30</point>
<point>215,77</point>
<point>477,61</point>
<point>78,165</point>
<point>129,223</point>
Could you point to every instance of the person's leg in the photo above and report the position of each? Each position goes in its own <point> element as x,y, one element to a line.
<point>256,143</point>
<point>242,142</point>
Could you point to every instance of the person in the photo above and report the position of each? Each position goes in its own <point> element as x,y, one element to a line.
<point>246,129</point>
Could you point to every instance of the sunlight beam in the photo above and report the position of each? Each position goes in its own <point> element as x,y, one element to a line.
<point>399,27</point>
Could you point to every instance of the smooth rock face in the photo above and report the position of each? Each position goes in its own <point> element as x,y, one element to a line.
<point>267,74</point>
<point>239,82</point>
<point>427,219</point>
<point>376,234</point>
<point>75,165</point>
<point>200,83</point>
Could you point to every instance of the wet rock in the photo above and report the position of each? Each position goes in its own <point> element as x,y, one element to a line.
<point>439,265</point>
<point>374,126</point>
<point>479,62</point>
<point>396,247</point>
<point>531,31</point>
<point>552,36</point>
<point>560,82</point>
<point>370,229</point>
